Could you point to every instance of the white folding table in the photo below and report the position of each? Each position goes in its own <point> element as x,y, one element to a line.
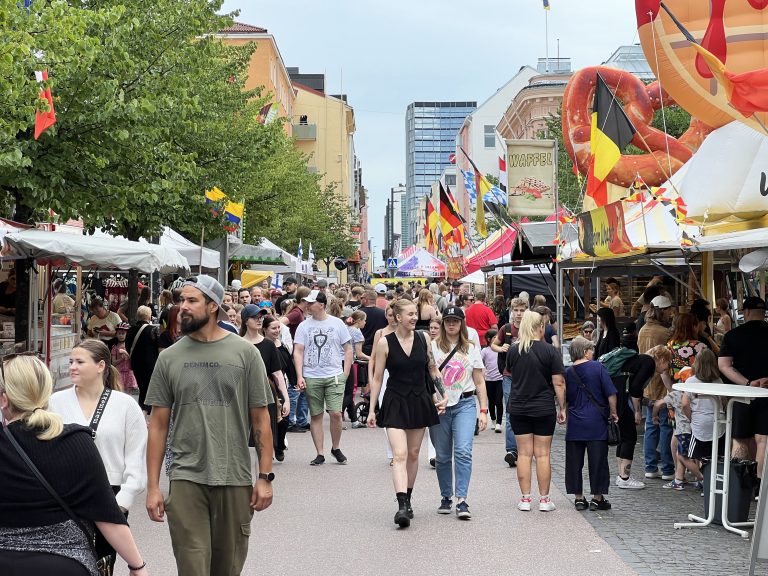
<point>734,393</point>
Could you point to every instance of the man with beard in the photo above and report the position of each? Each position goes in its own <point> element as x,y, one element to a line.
<point>216,384</point>
<point>289,292</point>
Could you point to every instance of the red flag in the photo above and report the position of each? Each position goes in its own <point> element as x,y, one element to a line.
<point>502,174</point>
<point>44,119</point>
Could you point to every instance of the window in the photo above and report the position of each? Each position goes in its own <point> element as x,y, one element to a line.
<point>489,136</point>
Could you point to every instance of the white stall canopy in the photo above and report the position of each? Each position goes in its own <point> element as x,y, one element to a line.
<point>190,250</point>
<point>102,252</point>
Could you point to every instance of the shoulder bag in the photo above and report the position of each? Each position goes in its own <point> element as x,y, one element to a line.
<point>103,565</point>
<point>614,434</point>
<point>430,382</point>
<point>136,339</point>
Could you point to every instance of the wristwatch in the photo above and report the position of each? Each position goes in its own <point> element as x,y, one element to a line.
<point>267,476</point>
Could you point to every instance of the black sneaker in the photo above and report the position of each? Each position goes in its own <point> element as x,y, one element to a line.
<point>445,506</point>
<point>317,461</point>
<point>599,505</point>
<point>580,504</point>
<point>337,453</point>
<point>511,459</point>
<point>279,455</point>
<point>462,511</point>
<point>304,426</point>
<point>295,428</point>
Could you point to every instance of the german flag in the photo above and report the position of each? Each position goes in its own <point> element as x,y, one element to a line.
<point>611,133</point>
<point>450,219</point>
<point>430,227</point>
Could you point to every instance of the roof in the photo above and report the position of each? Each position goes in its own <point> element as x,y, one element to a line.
<point>242,28</point>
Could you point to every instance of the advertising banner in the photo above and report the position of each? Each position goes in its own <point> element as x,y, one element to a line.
<point>531,176</point>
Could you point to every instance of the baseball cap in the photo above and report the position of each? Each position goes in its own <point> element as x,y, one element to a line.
<point>753,303</point>
<point>661,302</point>
<point>380,288</point>
<point>316,296</point>
<point>236,284</point>
<point>249,311</point>
<point>453,312</point>
<point>455,283</point>
<point>211,288</point>
<point>290,280</point>
<point>276,292</point>
<point>322,283</point>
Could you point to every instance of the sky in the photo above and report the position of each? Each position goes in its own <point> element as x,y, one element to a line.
<point>385,55</point>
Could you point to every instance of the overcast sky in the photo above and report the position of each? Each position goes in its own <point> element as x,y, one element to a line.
<point>385,55</point>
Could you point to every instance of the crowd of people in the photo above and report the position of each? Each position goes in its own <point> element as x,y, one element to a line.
<point>231,370</point>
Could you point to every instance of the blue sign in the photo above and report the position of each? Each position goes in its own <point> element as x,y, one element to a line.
<point>392,263</point>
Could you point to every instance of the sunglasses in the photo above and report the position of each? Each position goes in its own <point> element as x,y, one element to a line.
<point>588,331</point>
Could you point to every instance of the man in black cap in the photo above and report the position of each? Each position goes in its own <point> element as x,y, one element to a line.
<point>742,361</point>
<point>454,293</point>
<point>289,292</point>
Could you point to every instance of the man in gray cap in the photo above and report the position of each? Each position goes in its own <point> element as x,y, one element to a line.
<point>216,384</point>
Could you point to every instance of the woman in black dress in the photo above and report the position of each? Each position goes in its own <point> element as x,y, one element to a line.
<point>408,406</point>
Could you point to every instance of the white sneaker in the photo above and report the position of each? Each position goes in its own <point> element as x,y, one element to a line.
<point>524,504</point>
<point>546,505</point>
<point>655,474</point>
<point>629,484</point>
<point>498,428</point>
<point>668,477</point>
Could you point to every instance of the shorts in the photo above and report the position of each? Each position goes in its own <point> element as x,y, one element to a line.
<point>683,444</point>
<point>325,394</point>
<point>536,425</point>
<point>702,450</point>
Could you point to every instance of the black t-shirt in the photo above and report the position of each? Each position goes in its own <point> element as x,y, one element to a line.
<point>508,334</point>
<point>746,344</point>
<point>532,392</point>
<point>268,352</point>
<point>375,319</point>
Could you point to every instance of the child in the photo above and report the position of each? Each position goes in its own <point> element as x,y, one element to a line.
<point>701,411</point>
<point>681,441</point>
<point>121,358</point>
<point>493,381</point>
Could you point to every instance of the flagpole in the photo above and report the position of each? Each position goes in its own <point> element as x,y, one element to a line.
<point>558,231</point>
<point>202,239</point>
<point>546,38</point>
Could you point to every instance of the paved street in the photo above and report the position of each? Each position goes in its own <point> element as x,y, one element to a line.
<point>337,520</point>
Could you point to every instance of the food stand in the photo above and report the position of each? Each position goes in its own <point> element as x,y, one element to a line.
<point>54,335</point>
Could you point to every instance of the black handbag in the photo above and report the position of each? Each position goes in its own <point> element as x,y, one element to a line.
<point>614,433</point>
<point>430,382</point>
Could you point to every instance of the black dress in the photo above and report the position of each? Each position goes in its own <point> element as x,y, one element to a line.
<point>407,404</point>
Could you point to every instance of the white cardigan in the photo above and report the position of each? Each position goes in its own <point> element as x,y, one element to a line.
<point>121,439</point>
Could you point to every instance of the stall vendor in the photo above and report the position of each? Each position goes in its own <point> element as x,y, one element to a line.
<point>8,294</point>
<point>103,322</point>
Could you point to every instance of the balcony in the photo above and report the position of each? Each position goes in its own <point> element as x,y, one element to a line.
<point>305,131</point>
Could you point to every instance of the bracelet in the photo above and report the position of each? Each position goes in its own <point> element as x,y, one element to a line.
<point>137,568</point>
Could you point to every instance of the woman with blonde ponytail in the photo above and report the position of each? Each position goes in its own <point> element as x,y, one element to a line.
<point>37,535</point>
<point>96,401</point>
<point>537,378</point>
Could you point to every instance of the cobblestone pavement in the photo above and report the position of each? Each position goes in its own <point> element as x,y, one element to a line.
<point>337,520</point>
<point>639,527</point>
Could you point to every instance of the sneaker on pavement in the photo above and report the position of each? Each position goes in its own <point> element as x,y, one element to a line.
<point>295,428</point>
<point>445,506</point>
<point>356,425</point>
<point>462,511</point>
<point>674,485</point>
<point>698,486</point>
<point>580,504</point>
<point>497,428</point>
<point>629,484</point>
<point>320,459</point>
<point>511,459</point>
<point>524,504</point>
<point>546,505</point>
<point>655,474</point>
<point>339,455</point>
<point>601,504</point>
<point>668,476</point>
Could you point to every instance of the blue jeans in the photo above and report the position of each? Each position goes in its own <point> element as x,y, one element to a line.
<point>299,408</point>
<point>453,439</point>
<point>660,436</point>
<point>509,436</point>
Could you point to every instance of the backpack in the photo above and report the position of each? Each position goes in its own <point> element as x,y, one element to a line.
<point>614,360</point>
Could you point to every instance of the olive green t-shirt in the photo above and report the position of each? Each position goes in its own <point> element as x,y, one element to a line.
<point>211,386</point>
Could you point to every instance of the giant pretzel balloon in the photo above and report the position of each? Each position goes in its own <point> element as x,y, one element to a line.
<point>666,154</point>
<point>736,31</point>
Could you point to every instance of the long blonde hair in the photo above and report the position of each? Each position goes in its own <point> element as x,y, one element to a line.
<point>530,325</point>
<point>28,385</point>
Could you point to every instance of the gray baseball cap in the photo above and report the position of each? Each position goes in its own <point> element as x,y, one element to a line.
<point>211,288</point>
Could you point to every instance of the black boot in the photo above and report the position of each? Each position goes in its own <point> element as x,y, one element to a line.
<point>408,503</point>
<point>401,516</point>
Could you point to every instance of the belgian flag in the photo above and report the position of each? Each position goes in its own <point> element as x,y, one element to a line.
<point>611,133</point>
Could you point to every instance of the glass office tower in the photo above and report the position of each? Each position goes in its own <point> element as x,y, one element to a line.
<point>430,138</point>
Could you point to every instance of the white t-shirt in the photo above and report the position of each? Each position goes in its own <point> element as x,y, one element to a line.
<point>474,337</point>
<point>121,439</point>
<point>702,414</point>
<point>457,374</point>
<point>111,320</point>
<point>323,342</point>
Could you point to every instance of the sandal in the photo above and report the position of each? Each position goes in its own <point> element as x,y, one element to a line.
<point>581,504</point>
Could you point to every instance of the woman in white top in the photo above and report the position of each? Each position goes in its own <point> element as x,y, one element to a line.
<point>454,435</point>
<point>120,430</point>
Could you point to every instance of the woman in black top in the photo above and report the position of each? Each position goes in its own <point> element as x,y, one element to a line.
<point>408,407</point>
<point>37,536</point>
<point>8,294</point>
<point>609,336</point>
<point>251,330</point>
<point>537,378</point>
<point>270,327</point>
<point>142,345</point>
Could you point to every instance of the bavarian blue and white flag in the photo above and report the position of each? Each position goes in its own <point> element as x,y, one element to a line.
<point>300,253</point>
<point>494,196</point>
<point>311,256</point>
